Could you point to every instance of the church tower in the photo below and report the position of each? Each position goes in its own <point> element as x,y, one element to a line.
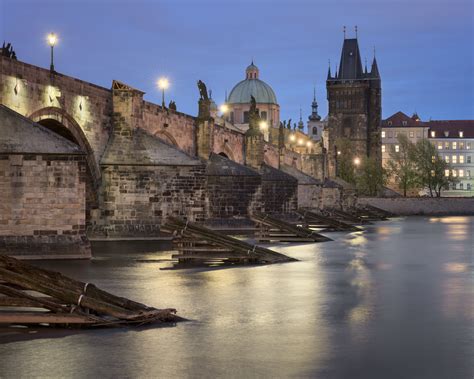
<point>315,125</point>
<point>355,106</point>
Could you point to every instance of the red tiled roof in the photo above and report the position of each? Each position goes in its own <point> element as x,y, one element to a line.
<point>400,119</point>
<point>451,126</point>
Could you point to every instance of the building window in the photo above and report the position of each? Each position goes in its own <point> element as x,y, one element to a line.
<point>389,123</point>
<point>404,123</point>
<point>461,159</point>
<point>433,134</point>
<point>383,148</point>
<point>454,159</point>
<point>263,115</point>
<point>446,172</point>
<point>412,134</point>
<point>432,172</point>
<point>383,134</point>
<point>468,145</point>
<point>461,173</point>
<point>468,186</point>
<point>397,148</point>
<point>390,134</point>
<point>461,134</point>
<point>468,173</point>
<point>440,146</point>
<point>232,117</point>
<point>468,159</point>
<point>446,158</point>
<point>433,159</point>
<point>315,130</point>
<point>446,145</point>
<point>455,145</point>
<point>461,185</point>
<point>455,173</point>
<point>395,134</point>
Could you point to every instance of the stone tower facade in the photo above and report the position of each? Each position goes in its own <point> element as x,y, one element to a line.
<point>355,106</point>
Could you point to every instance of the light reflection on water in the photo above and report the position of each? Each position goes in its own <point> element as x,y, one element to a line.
<point>396,300</point>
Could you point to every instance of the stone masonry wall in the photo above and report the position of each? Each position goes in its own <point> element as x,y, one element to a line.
<point>42,206</point>
<point>136,199</point>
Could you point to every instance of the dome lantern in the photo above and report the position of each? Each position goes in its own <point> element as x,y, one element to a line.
<point>251,72</point>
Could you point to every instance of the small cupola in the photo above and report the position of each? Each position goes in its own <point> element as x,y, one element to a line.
<point>251,72</point>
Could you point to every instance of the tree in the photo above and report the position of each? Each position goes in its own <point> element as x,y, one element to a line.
<point>345,161</point>
<point>431,168</point>
<point>371,178</point>
<point>402,166</point>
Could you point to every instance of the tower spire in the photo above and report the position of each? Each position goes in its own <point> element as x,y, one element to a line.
<point>344,31</point>
<point>356,30</point>
<point>329,70</point>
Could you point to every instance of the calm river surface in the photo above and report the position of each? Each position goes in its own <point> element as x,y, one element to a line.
<point>394,301</point>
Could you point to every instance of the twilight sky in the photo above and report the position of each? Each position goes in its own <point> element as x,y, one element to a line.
<point>425,48</point>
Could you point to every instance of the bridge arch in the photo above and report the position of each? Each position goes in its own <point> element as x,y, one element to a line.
<point>167,137</point>
<point>60,122</point>
<point>64,124</point>
<point>227,153</point>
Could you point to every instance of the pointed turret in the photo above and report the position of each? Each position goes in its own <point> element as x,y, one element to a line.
<point>374,72</point>
<point>329,72</point>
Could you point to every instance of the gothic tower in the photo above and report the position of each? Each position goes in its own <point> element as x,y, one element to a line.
<point>355,106</point>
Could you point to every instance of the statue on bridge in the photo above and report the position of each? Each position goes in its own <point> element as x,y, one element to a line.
<point>202,90</point>
<point>7,51</point>
<point>172,105</point>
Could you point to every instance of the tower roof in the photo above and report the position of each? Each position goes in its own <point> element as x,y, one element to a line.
<point>350,66</point>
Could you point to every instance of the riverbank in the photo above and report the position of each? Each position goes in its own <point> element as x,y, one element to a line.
<point>429,206</point>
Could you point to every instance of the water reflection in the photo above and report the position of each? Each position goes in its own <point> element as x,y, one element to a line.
<point>400,294</point>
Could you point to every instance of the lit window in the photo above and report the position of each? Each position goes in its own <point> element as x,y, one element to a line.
<point>446,158</point>
<point>461,159</point>
<point>397,148</point>
<point>446,145</point>
<point>455,173</point>
<point>440,146</point>
<point>412,134</point>
<point>432,172</point>
<point>454,159</point>
<point>468,173</point>
<point>468,145</point>
<point>433,134</point>
<point>383,134</point>
<point>383,148</point>
<point>455,145</point>
<point>446,172</point>
<point>461,145</point>
<point>461,134</point>
<point>461,173</point>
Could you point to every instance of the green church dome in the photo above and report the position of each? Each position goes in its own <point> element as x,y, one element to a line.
<point>252,86</point>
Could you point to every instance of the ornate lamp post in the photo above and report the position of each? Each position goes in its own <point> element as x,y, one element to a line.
<point>163,83</point>
<point>52,39</point>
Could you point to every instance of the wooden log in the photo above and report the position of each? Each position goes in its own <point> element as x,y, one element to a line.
<point>37,301</point>
<point>66,295</point>
<point>69,283</point>
<point>23,318</point>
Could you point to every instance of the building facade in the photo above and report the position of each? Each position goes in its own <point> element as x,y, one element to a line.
<point>355,106</point>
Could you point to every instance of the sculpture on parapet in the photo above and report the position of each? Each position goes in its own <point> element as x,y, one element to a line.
<point>202,90</point>
<point>172,105</point>
<point>7,51</point>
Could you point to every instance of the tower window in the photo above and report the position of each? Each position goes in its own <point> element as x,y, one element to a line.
<point>315,130</point>
<point>263,115</point>
<point>246,117</point>
<point>404,123</point>
<point>433,134</point>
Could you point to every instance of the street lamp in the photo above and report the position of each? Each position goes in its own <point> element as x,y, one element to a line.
<point>263,126</point>
<point>224,108</point>
<point>292,138</point>
<point>357,161</point>
<point>163,83</point>
<point>52,39</point>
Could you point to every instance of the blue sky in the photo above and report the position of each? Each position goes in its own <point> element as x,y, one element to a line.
<point>425,48</point>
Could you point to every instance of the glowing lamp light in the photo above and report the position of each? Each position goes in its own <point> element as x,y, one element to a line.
<point>357,161</point>
<point>52,39</point>
<point>163,83</point>
<point>263,125</point>
<point>224,108</point>
<point>339,152</point>
<point>292,138</point>
<point>300,141</point>
<point>309,144</point>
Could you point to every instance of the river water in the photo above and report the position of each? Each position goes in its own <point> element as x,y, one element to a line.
<point>394,301</point>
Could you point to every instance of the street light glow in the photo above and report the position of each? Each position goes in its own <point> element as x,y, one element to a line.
<point>339,152</point>
<point>263,125</point>
<point>357,161</point>
<point>292,138</point>
<point>163,83</point>
<point>300,141</point>
<point>52,39</point>
<point>309,144</point>
<point>224,108</point>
